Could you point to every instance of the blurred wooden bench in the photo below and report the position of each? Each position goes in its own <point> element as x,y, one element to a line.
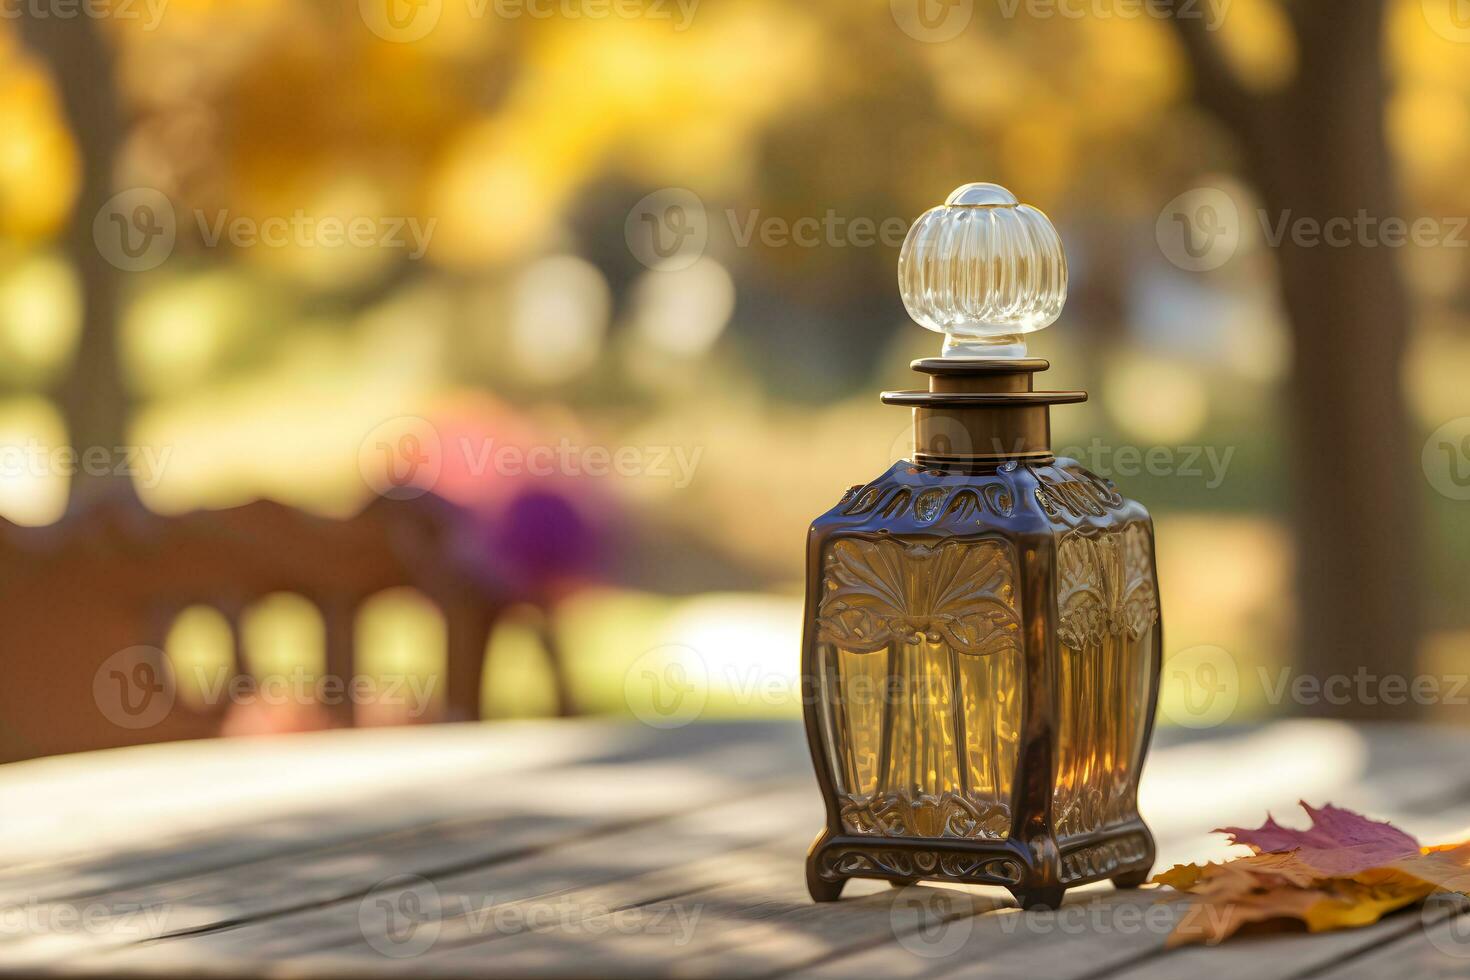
<point>114,577</point>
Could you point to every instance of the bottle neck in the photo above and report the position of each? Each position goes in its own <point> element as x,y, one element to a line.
<point>1008,345</point>
<point>992,434</point>
<point>981,411</point>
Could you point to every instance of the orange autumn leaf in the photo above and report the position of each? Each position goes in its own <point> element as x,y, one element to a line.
<point>1342,872</point>
<point>1446,866</point>
<point>1237,877</point>
<point>1206,921</point>
<point>1337,904</point>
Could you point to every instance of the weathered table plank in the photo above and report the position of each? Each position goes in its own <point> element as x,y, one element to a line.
<point>596,848</point>
<point>530,813</point>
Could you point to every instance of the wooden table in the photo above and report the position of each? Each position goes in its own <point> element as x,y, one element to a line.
<point>600,848</point>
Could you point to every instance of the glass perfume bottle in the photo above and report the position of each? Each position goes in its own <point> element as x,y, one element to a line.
<point>982,642</point>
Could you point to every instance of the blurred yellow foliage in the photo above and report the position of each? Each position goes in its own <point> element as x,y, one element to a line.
<point>667,108</point>
<point>38,161</point>
<point>1257,40</point>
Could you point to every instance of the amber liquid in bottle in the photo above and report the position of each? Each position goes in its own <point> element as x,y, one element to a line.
<point>923,711</point>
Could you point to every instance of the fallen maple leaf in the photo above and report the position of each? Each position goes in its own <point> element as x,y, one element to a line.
<point>1446,866</point>
<point>1340,843</point>
<point>1332,827</point>
<point>1238,877</point>
<point>1344,871</point>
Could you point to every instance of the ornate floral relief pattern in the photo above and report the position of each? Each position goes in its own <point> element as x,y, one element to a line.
<point>948,505</point>
<point>1106,858</point>
<point>877,592</point>
<point>1080,495</point>
<point>1138,606</point>
<point>904,815</point>
<point>1105,585</point>
<point>959,865</point>
<point>1107,606</point>
<point>921,647</point>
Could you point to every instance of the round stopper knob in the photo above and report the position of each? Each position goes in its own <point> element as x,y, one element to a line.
<point>983,269</point>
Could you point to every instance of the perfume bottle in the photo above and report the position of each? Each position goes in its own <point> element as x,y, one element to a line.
<point>981,649</point>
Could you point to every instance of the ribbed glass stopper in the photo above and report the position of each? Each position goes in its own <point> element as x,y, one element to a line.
<point>984,270</point>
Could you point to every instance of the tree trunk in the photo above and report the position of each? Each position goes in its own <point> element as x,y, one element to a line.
<point>1317,150</point>
<point>92,397</point>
